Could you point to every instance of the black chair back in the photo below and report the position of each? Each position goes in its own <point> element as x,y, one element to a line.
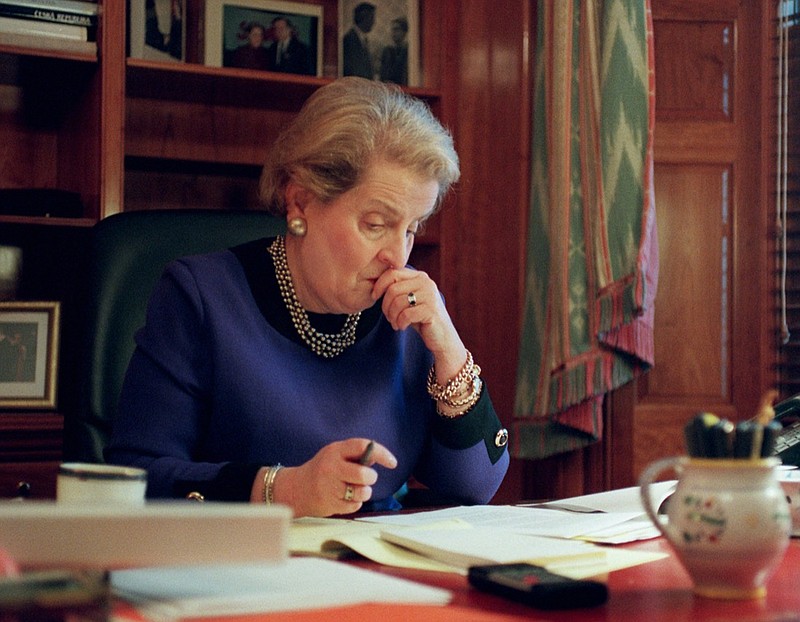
<point>129,252</point>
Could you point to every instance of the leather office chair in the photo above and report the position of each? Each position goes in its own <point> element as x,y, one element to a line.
<point>129,252</point>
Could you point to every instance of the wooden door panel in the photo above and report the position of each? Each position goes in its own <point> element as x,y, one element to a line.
<point>691,331</point>
<point>694,81</point>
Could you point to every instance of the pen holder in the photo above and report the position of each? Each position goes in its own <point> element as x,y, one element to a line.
<point>728,522</point>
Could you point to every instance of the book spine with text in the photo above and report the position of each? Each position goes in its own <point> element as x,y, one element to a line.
<point>54,15</point>
<point>43,29</point>
<point>82,7</point>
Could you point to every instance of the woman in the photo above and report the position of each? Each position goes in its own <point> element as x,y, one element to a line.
<point>251,54</point>
<point>264,371</point>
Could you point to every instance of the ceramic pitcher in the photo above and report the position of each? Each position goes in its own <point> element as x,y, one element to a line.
<point>728,521</point>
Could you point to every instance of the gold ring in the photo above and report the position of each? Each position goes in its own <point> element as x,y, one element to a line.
<point>412,299</point>
<point>348,493</point>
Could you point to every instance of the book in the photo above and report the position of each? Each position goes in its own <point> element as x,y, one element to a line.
<point>43,29</point>
<point>54,44</point>
<point>82,7</point>
<point>71,12</point>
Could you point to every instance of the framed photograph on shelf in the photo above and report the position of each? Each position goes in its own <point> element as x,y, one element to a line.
<point>379,40</point>
<point>157,30</point>
<point>267,35</point>
<point>28,354</point>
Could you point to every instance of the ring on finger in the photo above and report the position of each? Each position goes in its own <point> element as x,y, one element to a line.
<point>412,299</point>
<point>348,493</point>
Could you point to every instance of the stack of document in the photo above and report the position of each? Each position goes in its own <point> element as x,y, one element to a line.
<point>562,536</point>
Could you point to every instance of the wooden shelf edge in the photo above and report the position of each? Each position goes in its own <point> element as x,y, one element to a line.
<point>25,45</point>
<point>142,161</point>
<point>46,220</point>
<point>31,420</point>
<point>161,80</point>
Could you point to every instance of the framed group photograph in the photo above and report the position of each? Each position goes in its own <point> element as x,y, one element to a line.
<point>29,334</point>
<point>379,40</point>
<point>157,30</point>
<point>268,35</point>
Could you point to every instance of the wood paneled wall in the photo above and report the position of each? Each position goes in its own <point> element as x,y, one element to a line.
<point>712,322</point>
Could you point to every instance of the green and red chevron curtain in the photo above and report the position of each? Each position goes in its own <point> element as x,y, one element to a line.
<point>592,251</point>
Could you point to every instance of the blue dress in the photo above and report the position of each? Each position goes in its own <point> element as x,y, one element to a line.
<point>220,384</point>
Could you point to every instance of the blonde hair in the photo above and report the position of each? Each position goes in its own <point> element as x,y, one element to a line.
<point>346,125</point>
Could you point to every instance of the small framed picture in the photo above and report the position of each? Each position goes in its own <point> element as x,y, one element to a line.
<point>267,35</point>
<point>28,354</point>
<point>379,40</point>
<point>157,30</point>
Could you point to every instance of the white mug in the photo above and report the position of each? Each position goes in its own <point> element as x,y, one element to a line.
<point>87,483</point>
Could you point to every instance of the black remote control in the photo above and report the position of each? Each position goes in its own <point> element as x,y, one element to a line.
<point>535,586</point>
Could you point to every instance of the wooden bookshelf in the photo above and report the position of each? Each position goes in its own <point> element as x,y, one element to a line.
<point>132,134</point>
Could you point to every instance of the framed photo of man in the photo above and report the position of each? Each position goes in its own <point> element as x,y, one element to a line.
<point>158,30</point>
<point>379,40</point>
<point>267,35</point>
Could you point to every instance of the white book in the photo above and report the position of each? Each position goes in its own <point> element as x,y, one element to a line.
<point>37,28</point>
<point>55,44</point>
<point>81,7</point>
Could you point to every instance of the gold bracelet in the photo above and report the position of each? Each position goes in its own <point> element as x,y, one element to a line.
<point>453,386</point>
<point>463,406</point>
<point>471,397</point>
<point>269,483</point>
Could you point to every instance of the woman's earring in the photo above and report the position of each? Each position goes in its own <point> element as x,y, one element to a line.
<point>297,227</point>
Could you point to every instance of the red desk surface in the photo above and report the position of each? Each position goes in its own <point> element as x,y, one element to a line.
<point>653,592</point>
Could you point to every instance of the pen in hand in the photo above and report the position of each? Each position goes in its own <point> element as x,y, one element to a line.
<point>364,459</point>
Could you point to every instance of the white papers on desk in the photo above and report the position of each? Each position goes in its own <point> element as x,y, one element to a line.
<point>518,519</point>
<point>620,500</point>
<point>475,546</point>
<point>299,583</point>
<point>613,517</point>
<point>578,560</point>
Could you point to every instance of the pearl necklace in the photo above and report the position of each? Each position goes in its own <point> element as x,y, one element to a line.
<point>321,344</point>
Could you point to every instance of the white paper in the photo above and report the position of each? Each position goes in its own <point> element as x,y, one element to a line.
<point>519,519</point>
<point>620,500</point>
<point>471,546</point>
<point>613,517</point>
<point>171,593</point>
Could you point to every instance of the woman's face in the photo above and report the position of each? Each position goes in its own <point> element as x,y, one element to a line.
<point>256,36</point>
<point>352,240</point>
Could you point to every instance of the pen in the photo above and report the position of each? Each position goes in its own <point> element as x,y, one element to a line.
<point>698,435</point>
<point>364,459</point>
<point>745,438</point>
<point>721,439</point>
<point>771,432</point>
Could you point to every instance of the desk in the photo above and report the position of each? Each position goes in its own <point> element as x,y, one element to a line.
<point>656,592</point>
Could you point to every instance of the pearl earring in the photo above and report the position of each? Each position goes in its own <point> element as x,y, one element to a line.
<point>297,227</point>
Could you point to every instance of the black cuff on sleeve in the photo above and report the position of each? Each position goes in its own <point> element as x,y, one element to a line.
<point>480,423</point>
<point>234,482</point>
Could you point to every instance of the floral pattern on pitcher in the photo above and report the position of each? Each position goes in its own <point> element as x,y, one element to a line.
<point>704,519</point>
